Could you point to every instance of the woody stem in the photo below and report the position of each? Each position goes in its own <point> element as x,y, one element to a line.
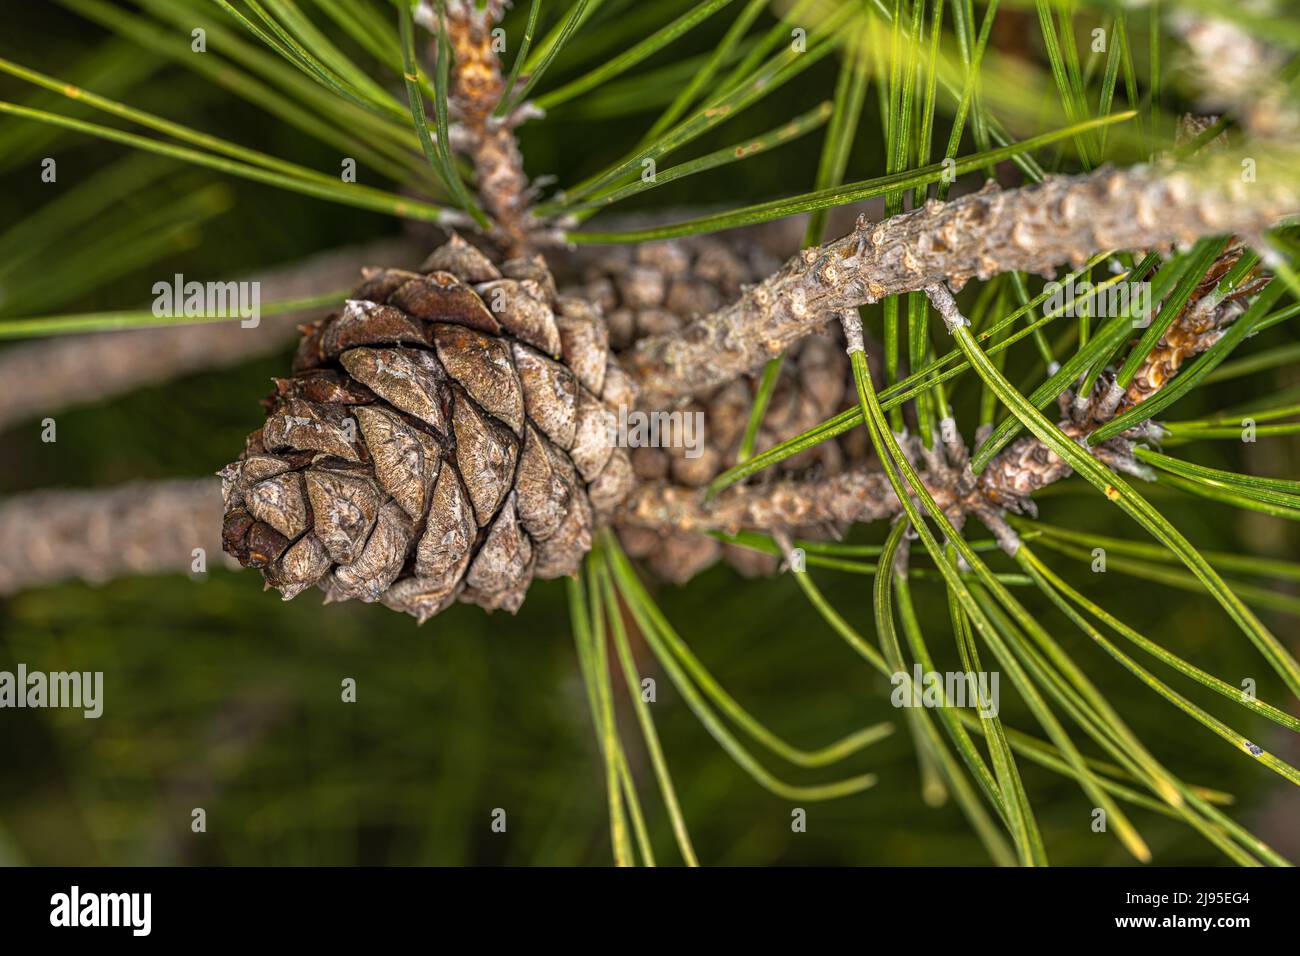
<point>477,85</point>
<point>1031,229</point>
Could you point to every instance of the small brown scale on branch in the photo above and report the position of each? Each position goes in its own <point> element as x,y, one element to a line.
<point>443,437</point>
<point>1199,326</point>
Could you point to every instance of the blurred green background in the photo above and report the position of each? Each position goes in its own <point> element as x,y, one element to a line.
<point>221,696</point>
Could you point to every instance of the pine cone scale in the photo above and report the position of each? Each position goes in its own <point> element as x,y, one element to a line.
<point>406,458</point>
<point>345,507</point>
<point>486,453</point>
<point>441,297</point>
<point>550,394</point>
<point>407,379</point>
<point>481,365</point>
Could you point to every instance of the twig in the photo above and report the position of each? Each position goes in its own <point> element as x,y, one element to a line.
<point>477,87</point>
<point>100,534</point>
<point>1031,229</point>
<point>851,496</point>
<point>1024,467</point>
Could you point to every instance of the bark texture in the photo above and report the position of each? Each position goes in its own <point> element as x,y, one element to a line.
<point>1066,219</point>
<point>98,534</point>
<point>477,88</point>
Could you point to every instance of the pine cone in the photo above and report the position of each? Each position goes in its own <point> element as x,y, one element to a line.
<point>444,437</point>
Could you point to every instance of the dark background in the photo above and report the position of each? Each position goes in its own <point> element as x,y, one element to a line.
<point>219,695</point>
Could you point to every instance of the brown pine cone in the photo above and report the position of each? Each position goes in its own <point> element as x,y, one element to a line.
<point>444,437</point>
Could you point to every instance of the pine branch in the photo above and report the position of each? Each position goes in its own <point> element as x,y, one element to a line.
<point>151,528</point>
<point>861,494</point>
<point>1031,229</point>
<point>103,533</point>
<point>59,540</point>
<point>1007,484</point>
<point>851,496</point>
<point>857,495</point>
